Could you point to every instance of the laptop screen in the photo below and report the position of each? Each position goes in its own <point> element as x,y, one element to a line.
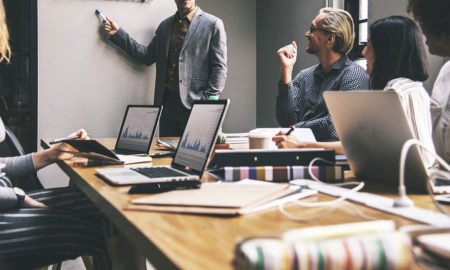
<point>199,135</point>
<point>138,128</point>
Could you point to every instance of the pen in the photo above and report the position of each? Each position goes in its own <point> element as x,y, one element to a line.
<point>100,15</point>
<point>73,137</point>
<point>290,131</point>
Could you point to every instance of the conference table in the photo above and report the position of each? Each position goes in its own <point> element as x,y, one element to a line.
<point>172,241</point>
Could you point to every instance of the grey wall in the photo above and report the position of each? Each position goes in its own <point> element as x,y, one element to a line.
<point>383,8</point>
<point>239,17</point>
<point>279,22</point>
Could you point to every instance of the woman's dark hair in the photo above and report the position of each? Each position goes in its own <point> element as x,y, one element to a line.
<point>399,51</point>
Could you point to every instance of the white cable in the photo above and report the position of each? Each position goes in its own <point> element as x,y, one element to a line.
<point>330,205</point>
<point>406,146</point>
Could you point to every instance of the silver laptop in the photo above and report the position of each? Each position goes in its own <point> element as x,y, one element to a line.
<point>137,130</point>
<point>373,127</point>
<point>192,153</point>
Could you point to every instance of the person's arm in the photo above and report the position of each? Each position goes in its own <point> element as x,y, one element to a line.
<point>144,54</point>
<point>218,60</point>
<point>288,104</point>
<point>322,128</point>
<point>287,56</point>
<point>283,141</point>
<point>441,128</point>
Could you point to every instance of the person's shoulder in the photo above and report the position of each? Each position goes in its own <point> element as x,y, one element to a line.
<point>207,16</point>
<point>402,84</point>
<point>353,69</point>
<point>167,21</point>
<point>309,70</point>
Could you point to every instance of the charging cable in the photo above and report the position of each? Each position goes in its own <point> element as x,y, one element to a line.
<point>434,173</point>
<point>330,205</point>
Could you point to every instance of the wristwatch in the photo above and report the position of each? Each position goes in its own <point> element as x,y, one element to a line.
<point>20,196</point>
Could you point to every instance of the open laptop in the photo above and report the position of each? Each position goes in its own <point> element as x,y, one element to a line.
<point>133,141</point>
<point>192,153</point>
<point>373,127</point>
<point>137,129</point>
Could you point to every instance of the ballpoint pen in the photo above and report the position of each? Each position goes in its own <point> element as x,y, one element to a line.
<point>290,131</point>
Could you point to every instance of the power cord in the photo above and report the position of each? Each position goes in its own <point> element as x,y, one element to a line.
<point>433,174</point>
<point>329,205</point>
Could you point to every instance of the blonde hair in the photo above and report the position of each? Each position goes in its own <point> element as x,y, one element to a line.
<point>5,49</point>
<point>340,23</point>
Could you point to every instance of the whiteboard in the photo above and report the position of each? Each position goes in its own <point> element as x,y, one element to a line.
<point>83,79</point>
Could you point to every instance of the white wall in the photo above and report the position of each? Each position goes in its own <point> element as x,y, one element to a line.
<point>84,81</point>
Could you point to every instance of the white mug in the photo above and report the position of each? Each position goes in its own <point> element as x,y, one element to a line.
<point>259,140</point>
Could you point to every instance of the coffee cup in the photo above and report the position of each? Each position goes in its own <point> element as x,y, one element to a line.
<point>259,140</point>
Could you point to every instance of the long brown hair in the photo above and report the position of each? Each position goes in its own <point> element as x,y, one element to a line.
<point>5,49</point>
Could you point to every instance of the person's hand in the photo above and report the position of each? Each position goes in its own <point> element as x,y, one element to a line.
<point>288,55</point>
<point>32,203</point>
<point>81,134</point>
<point>62,151</point>
<point>290,141</point>
<point>110,27</point>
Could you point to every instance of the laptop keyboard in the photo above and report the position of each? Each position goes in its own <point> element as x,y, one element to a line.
<point>157,172</point>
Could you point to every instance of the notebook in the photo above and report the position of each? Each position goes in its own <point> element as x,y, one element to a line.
<point>224,199</point>
<point>192,153</point>
<point>373,127</point>
<point>133,141</point>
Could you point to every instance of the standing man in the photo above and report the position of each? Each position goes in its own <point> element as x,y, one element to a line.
<point>432,17</point>
<point>190,52</point>
<point>300,101</point>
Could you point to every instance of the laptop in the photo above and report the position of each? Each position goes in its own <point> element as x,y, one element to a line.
<point>192,153</point>
<point>373,127</point>
<point>137,129</point>
<point>133,141</point>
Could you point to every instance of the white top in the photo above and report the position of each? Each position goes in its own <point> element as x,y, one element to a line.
<point>440,112</point>
<point>416,105</point>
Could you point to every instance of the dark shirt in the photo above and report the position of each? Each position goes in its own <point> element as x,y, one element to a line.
<point>301,103</point>
<point>180,27</point>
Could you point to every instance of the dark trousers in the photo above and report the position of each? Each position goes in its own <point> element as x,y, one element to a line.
<point>174,115</point>
<point>70,227</point>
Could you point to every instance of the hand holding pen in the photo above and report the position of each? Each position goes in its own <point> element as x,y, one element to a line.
<point>290,131</point>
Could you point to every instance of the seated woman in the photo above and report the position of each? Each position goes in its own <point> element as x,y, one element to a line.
<point>396,61</point>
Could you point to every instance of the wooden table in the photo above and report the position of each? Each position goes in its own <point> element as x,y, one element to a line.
<point>198,242</point>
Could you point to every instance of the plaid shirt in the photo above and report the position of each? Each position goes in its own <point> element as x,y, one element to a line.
<point>301,103</point>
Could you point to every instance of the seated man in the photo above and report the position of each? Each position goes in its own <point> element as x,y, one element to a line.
<point>300,101</point>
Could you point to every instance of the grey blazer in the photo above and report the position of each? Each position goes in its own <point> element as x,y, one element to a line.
<point>202,61</point>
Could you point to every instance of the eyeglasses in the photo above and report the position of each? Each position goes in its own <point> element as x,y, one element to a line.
<point>313,29</point>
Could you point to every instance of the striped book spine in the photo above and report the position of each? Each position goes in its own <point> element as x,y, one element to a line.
<point>283,173</point>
